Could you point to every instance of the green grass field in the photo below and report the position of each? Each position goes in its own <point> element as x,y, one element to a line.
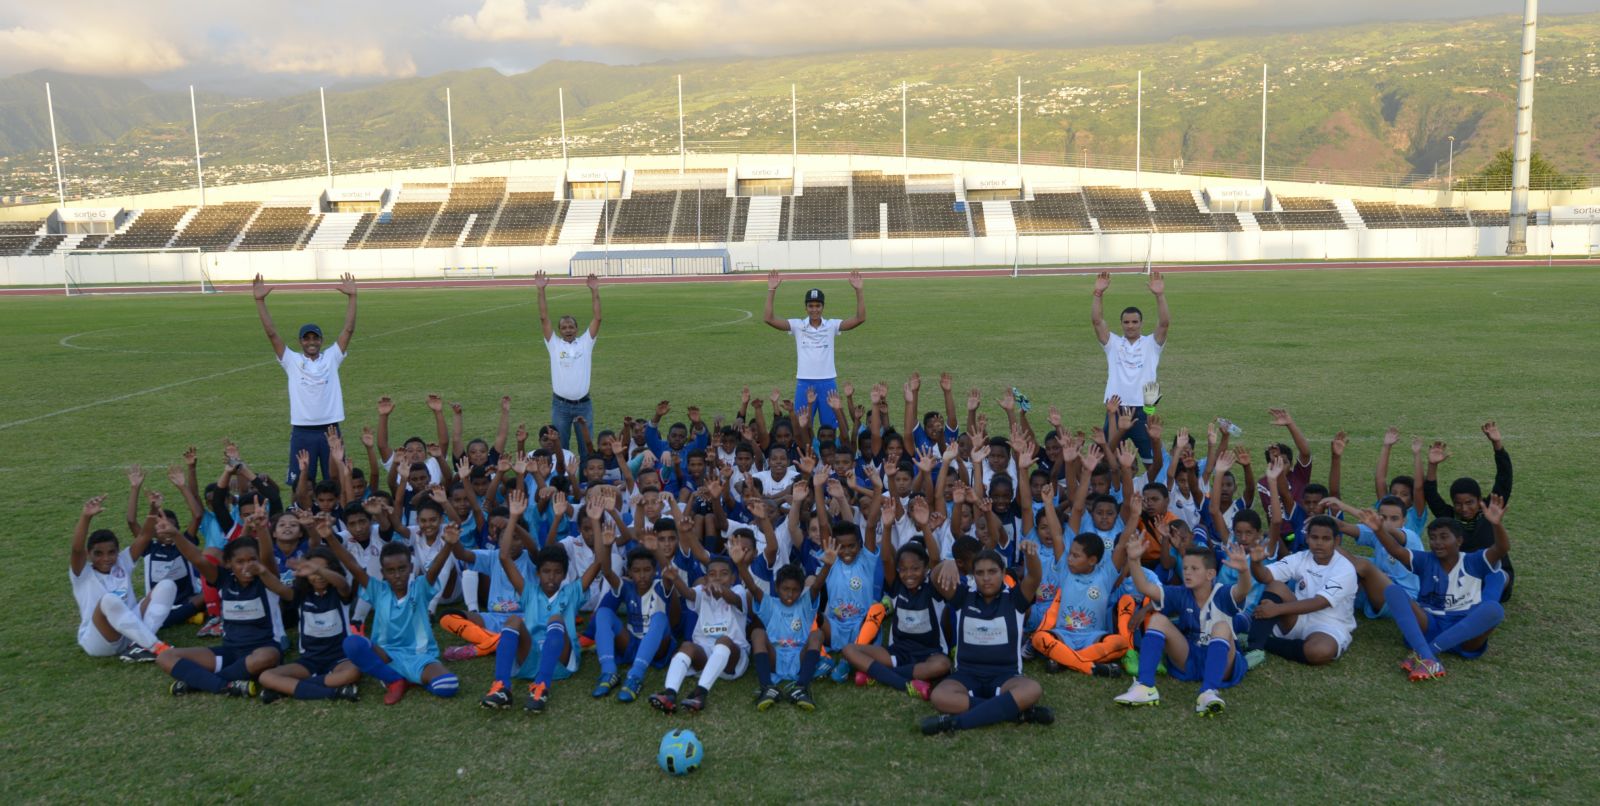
<point>97,383</point>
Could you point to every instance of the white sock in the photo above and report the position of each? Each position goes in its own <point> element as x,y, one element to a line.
<point>714,666</point>
<point>125,621</point>
<point>678,671</point>
<point>159,604</point>
<point>363,609</point>
<point>469,589</point>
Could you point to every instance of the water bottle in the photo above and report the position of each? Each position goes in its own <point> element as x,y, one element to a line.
<point>1228,424</point>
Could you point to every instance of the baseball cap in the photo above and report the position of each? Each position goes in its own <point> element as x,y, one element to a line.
<point>304,329</point>
<point>814,295</point>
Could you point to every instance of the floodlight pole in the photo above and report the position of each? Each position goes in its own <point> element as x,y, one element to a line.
<point>1138,131</point>
<point>61,185</point>
<point>1263,125</point>
<point>450,127</point>
<point>561,101</point>
<point>199,173</point>
<point>1517,236</point>
<point>1450,168</point>
<point>794,131</point>
<point>1019,125</point>
<point>327,153</point>
<point>681,158</point>
<point>905,156</point>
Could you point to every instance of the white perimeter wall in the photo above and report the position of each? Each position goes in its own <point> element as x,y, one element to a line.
<point>1456,242</point>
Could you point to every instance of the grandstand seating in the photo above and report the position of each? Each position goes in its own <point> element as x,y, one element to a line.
<point>741,217</point>
<point>92,241</point>
<point>15,236</point>
<point>821,214</point>
<point>1050,213</point>
<point>703,217</point>
<point>406,227</point>
<point>362,228</point>
<point>480,197</point>
<point>1297,214</point>
<point>528,219</point>
<point>1383,215</point>
<point>644,218</point>
<point>1497,218</point>
<point>1118,209</point>
<point>932,215</point>
<point>153,229</point>
<point>214,228</point>
<point>47,244</point>
<point>1176,211</point>
<point>279,228</point>
<point>871,190</point>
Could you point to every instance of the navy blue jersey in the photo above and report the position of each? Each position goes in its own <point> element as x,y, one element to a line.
<point>641,607</point>
<point>988,633</point>
<point>914,625</point>
<point>250,614</point>
<point>163,562</point>
<point>322,625</point>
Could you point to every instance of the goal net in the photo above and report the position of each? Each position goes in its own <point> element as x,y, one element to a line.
<point>111,271</point>
<point>1078,251</point>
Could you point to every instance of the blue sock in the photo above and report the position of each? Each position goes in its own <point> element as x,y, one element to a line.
<point>1151,649</point>
<point>236,671</point>
<point>650,645</point>
<point>763,663</point>
<point>1261,628</point>
<point>1216,664</point>
<point>1405,618</point>
<point>1482,618</point>
<point>808,666</point>
<point>312,689</point>
<point>888,676</point>
<point>197,676</point>
<point>1000,708</point>
<point>360,652</point>
<point>606,626</point>
<point>444,685</point>
<point>505,656</point>
<point>555,640</point>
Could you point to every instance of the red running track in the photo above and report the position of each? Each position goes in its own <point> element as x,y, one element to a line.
<point>877,274</point>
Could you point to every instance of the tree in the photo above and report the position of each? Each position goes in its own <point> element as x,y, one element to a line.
<point>1542,175</point>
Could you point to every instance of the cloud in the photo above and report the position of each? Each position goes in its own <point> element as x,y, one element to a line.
<point>87,49</point>
<point>345,60</point>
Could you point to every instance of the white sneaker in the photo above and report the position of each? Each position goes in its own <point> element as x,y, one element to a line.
<point>1139,694</point>
<point>1209,703</point>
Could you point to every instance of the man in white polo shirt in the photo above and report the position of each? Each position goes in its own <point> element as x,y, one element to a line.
<point>813,341</point>
<point>1131,357</point>
<point>316,400</point>
<point>571,359</point>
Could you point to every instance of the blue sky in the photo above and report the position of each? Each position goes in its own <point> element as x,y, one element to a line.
<point>303,43</point>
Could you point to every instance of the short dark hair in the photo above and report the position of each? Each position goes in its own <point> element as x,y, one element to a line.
<point>966,547</point>
<point>1158,487</point>
<point>915,549</point>
<point>1450,525</point>
<point>1392,501</point>
<point>1410,483</point>
<point>1132,309</point>
<point>392,550</point>
<point>430,504</point>
<point>237,546</point>
<point>99,536</point>
<point>641,553</point>
<point>789,573</point>
<point>1465,486</point>
<point>1325,521</point>
<point>840,528</point>
<point>1249,516</point>
<point>553,554</point>
<point>1092,545</point>
<point>666,525</point>
<point>326,486</point>
<point>1314,487</point>
<point>1208,558</point>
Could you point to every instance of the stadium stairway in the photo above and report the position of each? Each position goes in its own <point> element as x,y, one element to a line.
<point>582,221</point>
<point>766,213</point>
<point>334,231</point>
<point>1200,201</point>
<point>183,223</point>
<point>239,238</point>
<point>1149,203</point>
<point>1247,221</point>
<point>70,243</point>
<point>1347,212</point>
<point>999,219</point>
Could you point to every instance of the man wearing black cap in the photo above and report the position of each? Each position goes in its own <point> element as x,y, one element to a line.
<point>813,341</point>
<point>316,401</point>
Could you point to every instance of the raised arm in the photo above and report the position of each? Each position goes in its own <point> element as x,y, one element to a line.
<point>1097,314</point>
<point>861,305</point>
<point>451,537</point>
<point>1132,557</point>
<point>516,506</point>
<point>79,556</point>
<point>385,408</point>
<point>594,305</point>
<point>347,287</point>
<point>773,280</point>
<point>539,282</point>
<point>1502,461</point>
<point>912,387</point>
<point>135,485</point>
<point>441,431</point>
<point>260,289</point>
<point>1437,454</point>
<point>1380,478</point>
<point>1030,582</point>
<point>1335,459</point>
<point>1158,287</point>
<point>1302,448</point>
<point>1494,511</point>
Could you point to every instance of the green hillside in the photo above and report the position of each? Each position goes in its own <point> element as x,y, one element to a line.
<point>1382,98</point>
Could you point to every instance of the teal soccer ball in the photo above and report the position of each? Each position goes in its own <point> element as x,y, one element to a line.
<point>680,753</point>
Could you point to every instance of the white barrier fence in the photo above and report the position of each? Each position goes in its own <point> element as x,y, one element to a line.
<point>1040,250</point>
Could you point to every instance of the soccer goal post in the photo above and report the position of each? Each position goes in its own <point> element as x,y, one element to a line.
<point>110,271</point>
<point>1073,251</point>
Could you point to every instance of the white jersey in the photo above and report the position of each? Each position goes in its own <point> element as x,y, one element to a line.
<point>89,585</point>
<point>570,364</point>
<point>718,619</point>
<point>1335,582</point>
<point>1129,366</point>
<point>315,397</point>
<point>814,350</point>
<point>771,487</point>
<point>422,556</point>
<point>579,558</point>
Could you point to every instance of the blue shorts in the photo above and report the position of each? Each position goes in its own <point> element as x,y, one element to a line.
<point>318,664</point>
<point>1365,606</point>
<point>1438,624</point>
<point>1193,671</point>
<point>906,655</point>
<point>631,653</point>
<point>981,685</point>
<point>409,665</point>
<point>232,654</point>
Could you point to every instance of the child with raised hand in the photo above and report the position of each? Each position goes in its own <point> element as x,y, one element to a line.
<point>915,653</point>
<point>252,633</point>
<point>787,619</point>
<point>852,586</point>
<point>1377,574</point>
<point>111,620</point>
<point>718,638</point>
<point>551,603</point>
<point>1315,622</point>
<point>641,640</point>
<point>1081,630</point>
<point>320,593</point>
<point>1466,499</point>
<point>987,685</point>
<point>1457,604</point>
<point>1193,628</point>
<point>399,648</point>
<point>481,628</point>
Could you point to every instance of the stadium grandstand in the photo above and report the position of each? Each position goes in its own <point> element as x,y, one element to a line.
<point>819,211</point>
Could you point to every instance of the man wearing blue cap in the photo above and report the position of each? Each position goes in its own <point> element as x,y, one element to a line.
<point>316,402</point>
<point>813,341</point>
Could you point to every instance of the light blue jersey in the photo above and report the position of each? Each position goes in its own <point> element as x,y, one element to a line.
<point>1107,536</point>
<point>852,589</point>
<point>400,626</point>
<point>1397,571</point>
<point>504,601</point>
<point>539,609</point>
<point>788,627</point>
<point>1087,603</point>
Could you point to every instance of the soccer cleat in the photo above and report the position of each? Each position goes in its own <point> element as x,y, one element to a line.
<point>1139,694</point>
<point>630,689</point>
<point>1130,662</point>
<point>1209,703</point>
<point>241,688</point>
<point>268,696</point>
<point>1028,652</point>
<point>935,725</point>
<point>395,692</point>
<point>460,653</point>
<point>211,629</point>
<point>800,696</point>
<point>767,697</point>
<point>358,628</point>
<point>197,619</point>
<point>538,698</point>
<point>1254,658</point>
<point>1410,664</point>
<point>1426,669</point>
<point>137,654</point>
<point>841,672</point>
<point>863,680</point>
<point>1037,715</point>
<point>1051,666</point>
<point>606,684</point>
<point>179,688</point>
<point>585,642</point>
<point>1106,670</point>
<point>825,666</point>
<point>664,701</point>
<point>919,689</point>
<point>498,699</point>
<point>696,701</point>
<point>350,693</point>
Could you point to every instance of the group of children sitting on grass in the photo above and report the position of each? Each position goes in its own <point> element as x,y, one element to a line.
<point>929,559</point>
